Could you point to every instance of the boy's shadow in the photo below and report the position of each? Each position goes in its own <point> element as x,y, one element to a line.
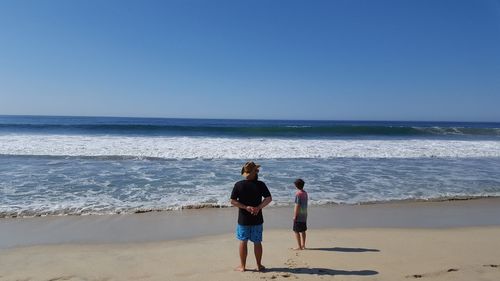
<point>345,250</point>
<point>321,271</point>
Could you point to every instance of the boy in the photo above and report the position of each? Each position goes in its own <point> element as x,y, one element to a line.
<point>300,215</point>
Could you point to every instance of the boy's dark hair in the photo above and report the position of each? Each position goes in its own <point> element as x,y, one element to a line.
<point>299,183</point>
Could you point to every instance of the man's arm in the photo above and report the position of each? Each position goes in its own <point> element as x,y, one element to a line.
<point>264,203</point>
<point>267,198</point>
<point>238,204</point>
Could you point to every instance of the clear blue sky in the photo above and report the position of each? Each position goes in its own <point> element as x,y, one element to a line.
<point>265,59</point>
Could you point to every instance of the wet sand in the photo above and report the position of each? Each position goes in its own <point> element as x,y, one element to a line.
<point>172,225</point>
<point>457,240</point>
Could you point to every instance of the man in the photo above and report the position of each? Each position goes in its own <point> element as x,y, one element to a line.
<point>247,196</point>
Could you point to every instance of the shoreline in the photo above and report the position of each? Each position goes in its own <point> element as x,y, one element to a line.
<point>281,205</point>
<point>189,224</point>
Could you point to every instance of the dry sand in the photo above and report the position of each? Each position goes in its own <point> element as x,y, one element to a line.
<point>404,241</point>
<point>333,254</point>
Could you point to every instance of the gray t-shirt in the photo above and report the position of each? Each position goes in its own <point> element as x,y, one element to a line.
<point>301,199</point>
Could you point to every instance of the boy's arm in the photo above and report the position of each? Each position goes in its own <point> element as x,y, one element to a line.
<point>296,211</point>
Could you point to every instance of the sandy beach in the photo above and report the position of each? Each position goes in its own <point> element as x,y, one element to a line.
<point>140,140</point>
<point>341,245</point>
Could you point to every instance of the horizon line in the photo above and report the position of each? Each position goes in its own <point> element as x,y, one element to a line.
<point>243,119</point>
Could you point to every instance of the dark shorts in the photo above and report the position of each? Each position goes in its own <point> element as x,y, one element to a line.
<point>299,226</point>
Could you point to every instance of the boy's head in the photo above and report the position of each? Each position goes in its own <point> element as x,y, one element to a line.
<point>299,183</point>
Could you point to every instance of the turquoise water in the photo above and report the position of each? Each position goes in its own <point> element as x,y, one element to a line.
<point>246,128</point>
<point>68,165</point>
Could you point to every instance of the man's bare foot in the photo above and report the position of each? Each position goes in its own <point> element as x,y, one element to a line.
<point>240,269</point>
<point>261,268</point>
<point>296,249</point>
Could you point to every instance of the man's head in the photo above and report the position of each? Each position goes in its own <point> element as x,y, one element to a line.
<point>299,183</point>
<point>250,170</point>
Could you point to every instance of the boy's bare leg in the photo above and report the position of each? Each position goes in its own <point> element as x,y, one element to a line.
<point>303,240</point>
<point>243,256</point>
<point>257,249</point>
<point>297,236</point>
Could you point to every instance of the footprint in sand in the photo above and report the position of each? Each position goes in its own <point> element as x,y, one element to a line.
<point>438,273</point>
<point>432,274</point>
<point>61,278</point>
<point>290,263</point>
<point>274,276</point>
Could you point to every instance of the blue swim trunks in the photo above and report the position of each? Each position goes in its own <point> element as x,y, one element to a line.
<point>249,232</point>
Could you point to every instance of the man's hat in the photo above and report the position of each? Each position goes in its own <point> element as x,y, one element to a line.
<point>248,168</point>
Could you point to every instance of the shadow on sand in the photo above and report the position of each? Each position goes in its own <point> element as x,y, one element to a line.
<point>321,271</point>
<point>345,250</point>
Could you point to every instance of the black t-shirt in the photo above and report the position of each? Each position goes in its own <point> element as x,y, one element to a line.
<point>250,193</point>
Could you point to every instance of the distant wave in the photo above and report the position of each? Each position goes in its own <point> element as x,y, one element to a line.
<point>249,131</point>
<point>239,148</point>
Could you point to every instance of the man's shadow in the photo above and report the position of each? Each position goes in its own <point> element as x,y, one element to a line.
<point>327,271</point>
<point>321,271</point>
<point>345,250</point>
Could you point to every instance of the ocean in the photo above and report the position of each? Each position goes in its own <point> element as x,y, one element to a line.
<point>53,165</point>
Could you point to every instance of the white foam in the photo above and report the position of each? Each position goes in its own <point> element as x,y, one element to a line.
<point>239,148</point>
